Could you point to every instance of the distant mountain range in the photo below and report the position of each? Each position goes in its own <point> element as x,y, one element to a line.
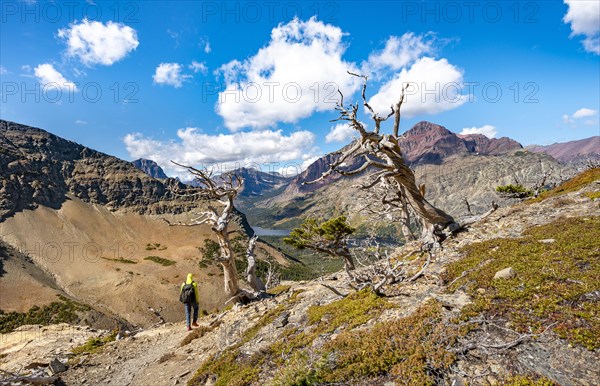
<point>471,166</point>
<point>570,151</point>
<point>452,166</point>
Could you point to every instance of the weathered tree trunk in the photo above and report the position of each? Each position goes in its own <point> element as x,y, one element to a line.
<point>427,228</point>
<point>405,217</point>
<point>405,177</point>
<point>230,278</point>
<point>254,281</point>
<point>227,260</point>
<point>348,260</point>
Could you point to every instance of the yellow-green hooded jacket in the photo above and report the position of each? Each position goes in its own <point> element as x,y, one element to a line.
<point>190,279</point>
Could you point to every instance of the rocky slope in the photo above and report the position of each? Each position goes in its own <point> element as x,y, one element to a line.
<point>424,330</point>
<point>257,183</point>
<point>474,177</point>
<point>39,168</point>
<point>571,151</point>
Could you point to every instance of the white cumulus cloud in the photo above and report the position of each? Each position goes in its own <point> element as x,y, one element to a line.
<point>341,132</point>
<point>296,74</point>
<point>400,51</point>
<point>96,43</point>
<point>196,148</point>
<point>169,74</point>
<point>487,130</point>
<point>49,77</point>
<point>584,17</point>
<point>434,86</point>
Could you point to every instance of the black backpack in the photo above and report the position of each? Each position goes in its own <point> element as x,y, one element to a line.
<point>187,295</point>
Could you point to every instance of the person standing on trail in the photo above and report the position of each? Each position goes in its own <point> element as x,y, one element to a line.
<point>188,295</point>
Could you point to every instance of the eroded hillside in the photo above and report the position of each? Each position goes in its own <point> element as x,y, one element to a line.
<point>90,226</point>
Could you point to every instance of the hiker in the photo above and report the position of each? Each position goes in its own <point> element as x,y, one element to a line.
<point>188,295</point>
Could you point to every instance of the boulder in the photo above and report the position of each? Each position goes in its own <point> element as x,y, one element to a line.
<point>56,366</point>
<point>506,273</point>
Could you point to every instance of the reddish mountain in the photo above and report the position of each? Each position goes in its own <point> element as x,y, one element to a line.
<point>424,143</point>
<point>480,144</point>
<point>428,143</point>
<point>570,151</point>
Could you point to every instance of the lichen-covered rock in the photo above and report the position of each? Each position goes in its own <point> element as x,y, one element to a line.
<point>506,273</point>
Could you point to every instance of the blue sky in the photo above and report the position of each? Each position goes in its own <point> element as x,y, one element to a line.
<point>237,83</point>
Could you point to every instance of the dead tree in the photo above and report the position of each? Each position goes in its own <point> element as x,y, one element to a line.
<point>382,152</point>
<point>253,280</point>
<point>223,194</point>
<point>540,184</point>
<point>387,200</point>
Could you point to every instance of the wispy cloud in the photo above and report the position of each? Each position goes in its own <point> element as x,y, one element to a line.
<point>199,67</point>
<point>341,132</point>
<point>169,74</point>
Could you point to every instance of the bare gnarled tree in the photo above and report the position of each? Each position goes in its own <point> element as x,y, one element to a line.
<point>223,194</point>
<point>382,152</point>
<point>386,200</point>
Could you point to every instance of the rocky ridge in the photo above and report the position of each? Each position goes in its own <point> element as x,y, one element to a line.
<point>572,151</point>
<point>39,168</point>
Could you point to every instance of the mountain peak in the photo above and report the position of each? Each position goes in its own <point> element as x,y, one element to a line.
<point>428,142</point>
<point>426,127</point>
<point>149,167</point>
